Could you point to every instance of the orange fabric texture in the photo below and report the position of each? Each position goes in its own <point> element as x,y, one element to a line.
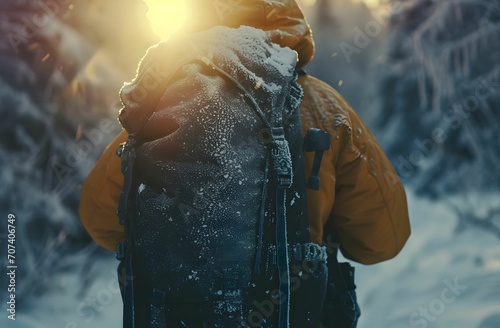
<point>360,195</point>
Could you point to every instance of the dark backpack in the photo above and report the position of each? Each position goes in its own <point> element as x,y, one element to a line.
<point>214,202</point>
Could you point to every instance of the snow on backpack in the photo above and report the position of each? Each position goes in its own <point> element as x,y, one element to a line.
<point>214,202</point>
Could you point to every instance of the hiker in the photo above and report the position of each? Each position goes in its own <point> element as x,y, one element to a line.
<point>360,197</point>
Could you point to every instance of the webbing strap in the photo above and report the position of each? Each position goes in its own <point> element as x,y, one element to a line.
<point>282,166</point>
<point>128,159</point>
<point>282,258</point>
<point>260,237</point>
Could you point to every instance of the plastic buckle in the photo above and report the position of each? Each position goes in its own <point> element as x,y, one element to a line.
<point>315,252</point>
<point>120,251</point>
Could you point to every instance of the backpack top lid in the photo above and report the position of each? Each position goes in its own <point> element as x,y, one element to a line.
<point>244,55</point>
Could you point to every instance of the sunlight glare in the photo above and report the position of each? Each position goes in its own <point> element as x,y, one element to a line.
<point>166,16</point>
<point>371,3</point>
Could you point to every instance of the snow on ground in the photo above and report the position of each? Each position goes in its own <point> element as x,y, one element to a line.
<point>68,306</point>
<point>441,279</point>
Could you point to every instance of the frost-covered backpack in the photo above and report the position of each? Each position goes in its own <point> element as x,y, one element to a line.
<point>214,202</point>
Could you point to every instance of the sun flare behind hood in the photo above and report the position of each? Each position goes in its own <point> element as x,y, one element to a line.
<point>166,16</point>
<point>283,21</point>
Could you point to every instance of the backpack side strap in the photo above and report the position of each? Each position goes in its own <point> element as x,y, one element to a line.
<point>300,252</point>
<point>123,251</point>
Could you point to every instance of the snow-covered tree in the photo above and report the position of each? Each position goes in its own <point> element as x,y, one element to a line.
<point>439,86</point>
<point>61,67</point>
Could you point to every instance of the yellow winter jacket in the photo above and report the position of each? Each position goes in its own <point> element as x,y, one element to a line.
<point>360,194</point>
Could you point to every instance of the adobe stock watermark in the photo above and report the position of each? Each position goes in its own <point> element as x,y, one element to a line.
<point>299,273</point>
<point>372,29</point>
<point>455,117</point>
<point>95,304</point>
<point>436,307</point>
<point>45,10</point>
<point>265,309</point>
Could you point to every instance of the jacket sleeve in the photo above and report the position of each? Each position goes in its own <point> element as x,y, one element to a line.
<point>369,214</point>
<point>100,193</point>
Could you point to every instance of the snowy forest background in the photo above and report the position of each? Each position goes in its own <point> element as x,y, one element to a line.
<point>424,75</point>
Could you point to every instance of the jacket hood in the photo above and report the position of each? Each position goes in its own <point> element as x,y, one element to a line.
<point>283,21</point>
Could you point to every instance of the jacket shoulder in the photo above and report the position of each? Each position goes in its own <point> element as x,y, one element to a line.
<point>323,106</point>
<point>368,207</point>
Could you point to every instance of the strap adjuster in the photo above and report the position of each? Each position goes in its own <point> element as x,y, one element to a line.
<point>301,252</point>
<point>120,251</point>
<point>282,158</point>
<point>314,252</point>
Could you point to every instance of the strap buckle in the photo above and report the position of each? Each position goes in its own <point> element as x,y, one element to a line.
<point>314,252</point>
<point>301,252</point>
<point>120,251</point>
